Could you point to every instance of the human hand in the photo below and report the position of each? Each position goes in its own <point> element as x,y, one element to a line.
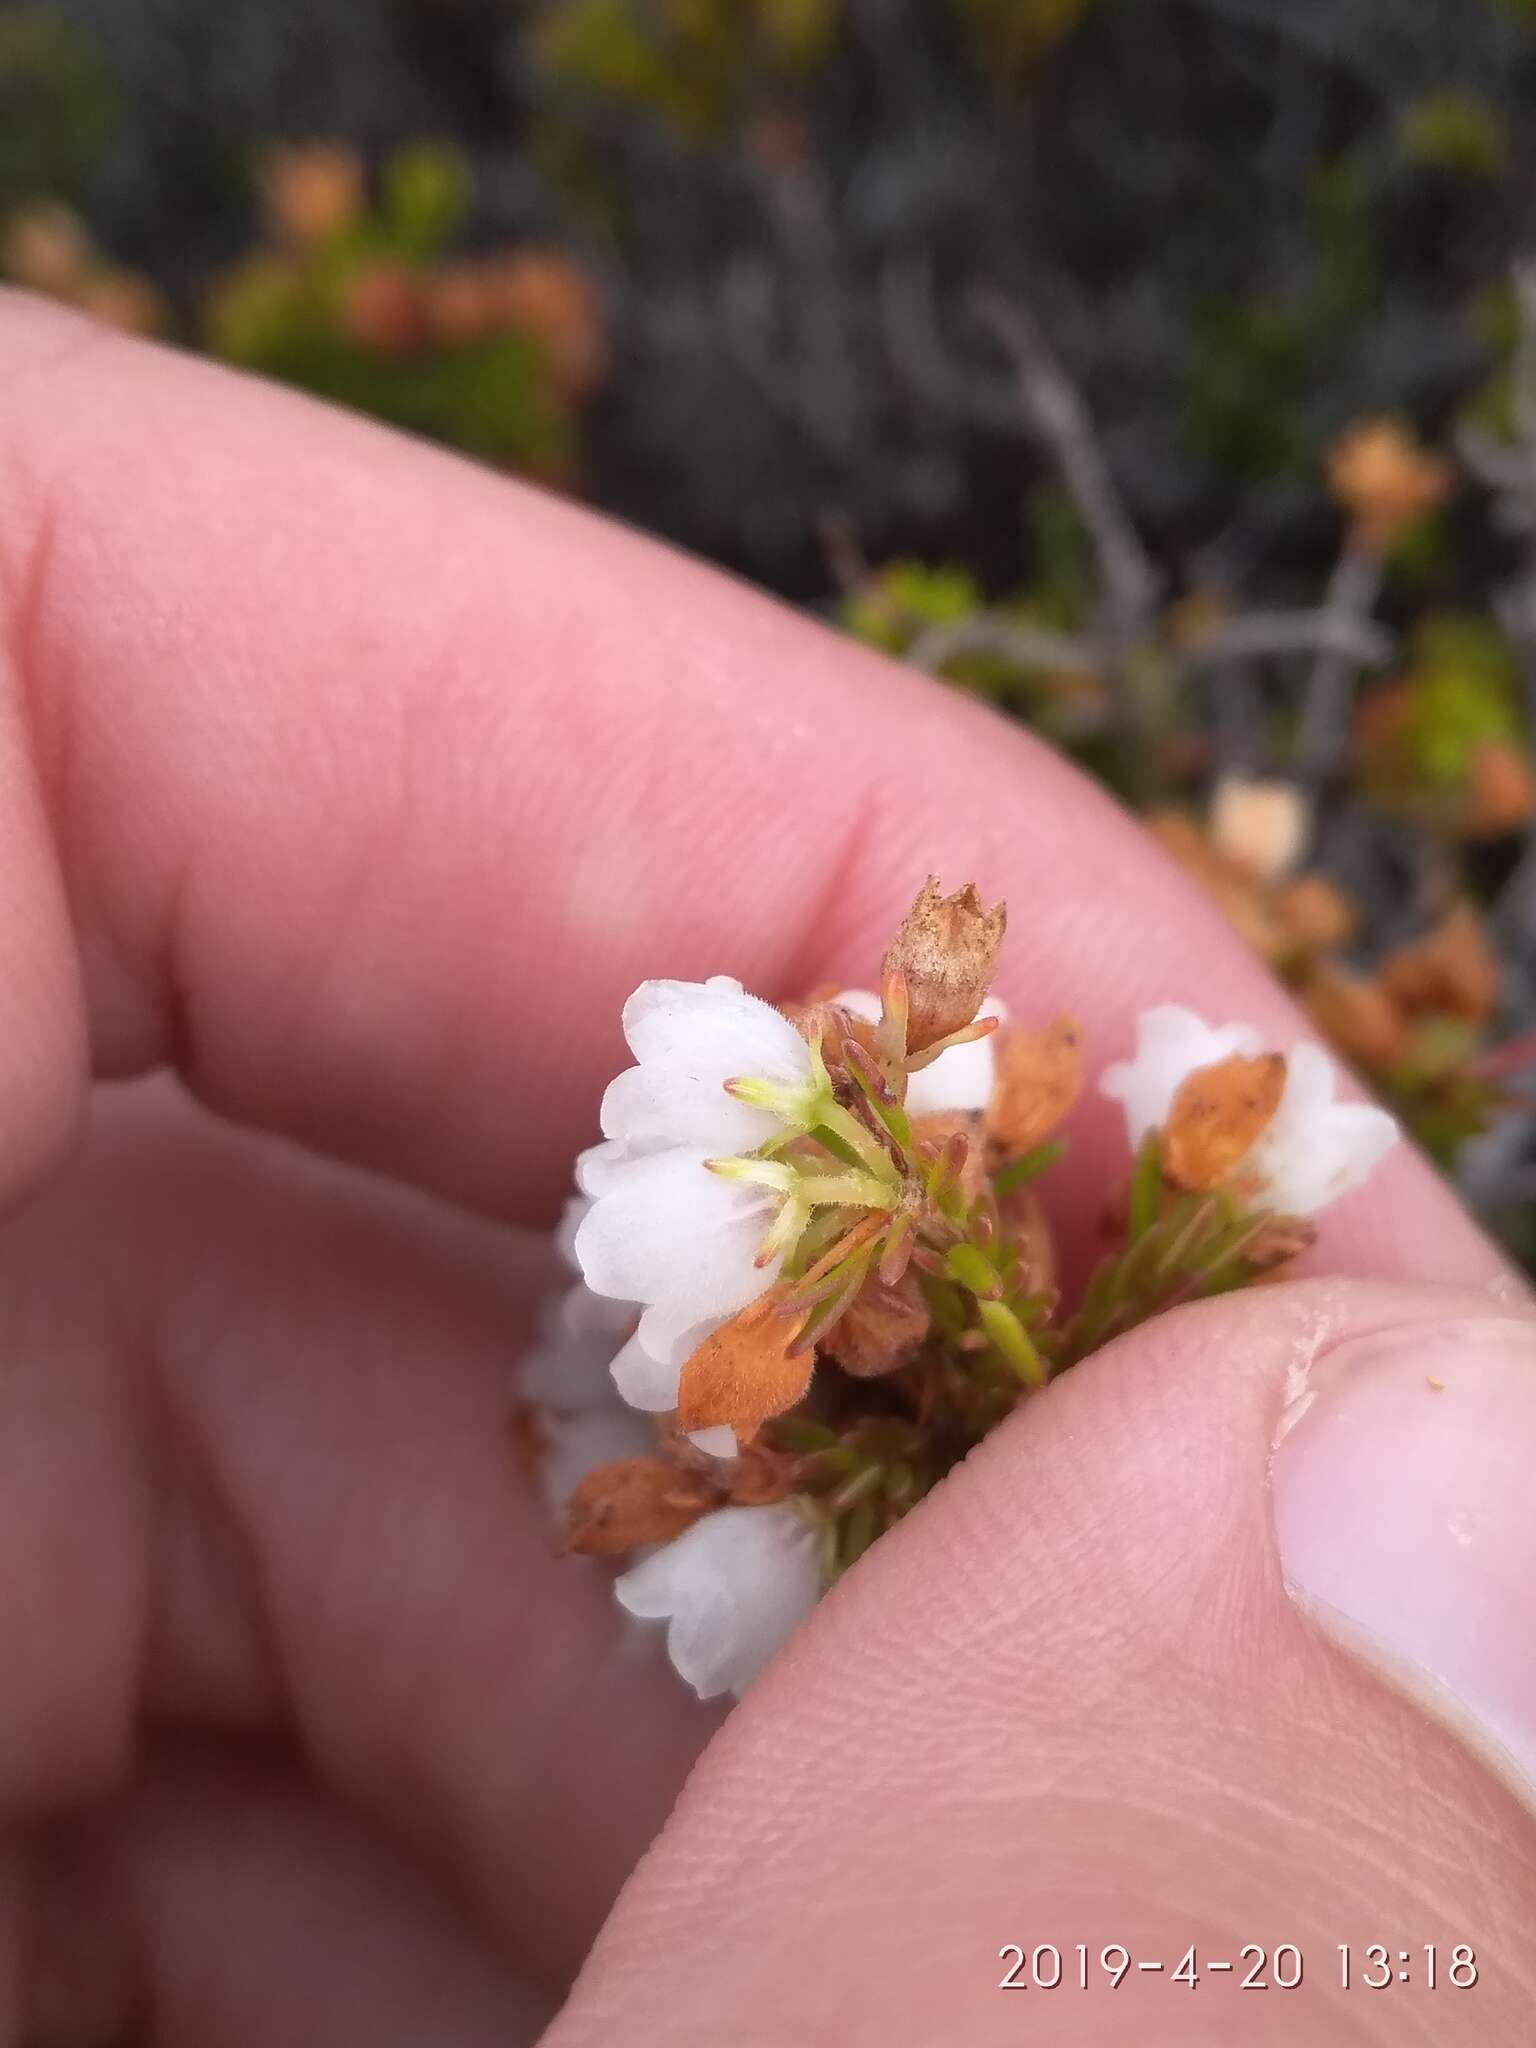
<point>358,787</point>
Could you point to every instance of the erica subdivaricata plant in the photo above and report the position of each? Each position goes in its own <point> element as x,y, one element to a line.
<point>817,1265</point>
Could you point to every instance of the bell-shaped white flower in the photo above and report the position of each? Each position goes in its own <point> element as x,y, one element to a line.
<point>690,1039</point>
<point>682,1240</point>
<point>960,1079</point>
<point>732,1589</point>
<point>569,1366</point>
<point>1316,1149</point>
<point>1171,1044</point>
<point>1313,1150</point>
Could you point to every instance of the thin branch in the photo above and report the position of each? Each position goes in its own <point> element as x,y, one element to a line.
<point>1130,582</point>
<point>1271,635</point>
<point>1011,640</point>
<point>1325,711</point>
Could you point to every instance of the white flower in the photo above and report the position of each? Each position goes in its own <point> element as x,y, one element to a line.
<point>960,1079</point>
<point>690,1039</point>
<point>1314,1149</point>
<point>663,1230</point>
<point>569,1366</point>
<point>683,1241</point>
<point>732,1589</point>
<point>1171,1044</point>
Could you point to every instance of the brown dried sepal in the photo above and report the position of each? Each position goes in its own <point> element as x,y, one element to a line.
<point>746,1371</point>
<point>882,1329</point>
<point>1217,1116</point>
<point>1038,1078</point>
<point>1451,971</point>
<point>1359,1017</point>
<point>947,950</point>
<point>632,1501</point>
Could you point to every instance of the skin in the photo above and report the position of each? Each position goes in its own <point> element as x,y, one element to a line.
<point>347,791</point>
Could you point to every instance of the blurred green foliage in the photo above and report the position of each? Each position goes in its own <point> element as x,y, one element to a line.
<point>347,313</point>
<point>58,106</point>
<point>687,61</point>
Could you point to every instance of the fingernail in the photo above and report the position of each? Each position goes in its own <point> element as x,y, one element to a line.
<point>1404,1482</point>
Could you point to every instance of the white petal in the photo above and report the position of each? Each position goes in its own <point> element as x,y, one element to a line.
<point>690,1038</point>
<point>1316,1149</point>
<point>567,1365</point>
<point>582,1315</point>
<point>598,1169</point>
<point>651,1382</point>
<point>732,1589</point>
<point>669,1232</point>
<point>682,1101</point>
<point>574,1445</point>
<point>860,1002</point>
<point>672,1020</point>
<point>717,1442</point>
<point>576,1206</point>
<point>567,1371</point>
<point>1171,1044</point>
<point>960,1079</point>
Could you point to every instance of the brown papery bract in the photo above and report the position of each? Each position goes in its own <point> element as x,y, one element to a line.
<point>1217,1116</point>
<point>631,1501</point>
<point>947,950</point>
<point>1039,1076</point>
<point>746,1371</point>
<point>882,1328</point>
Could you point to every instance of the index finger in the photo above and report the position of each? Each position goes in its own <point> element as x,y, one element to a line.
<point>362,785</point>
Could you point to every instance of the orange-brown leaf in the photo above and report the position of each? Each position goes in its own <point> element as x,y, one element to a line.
<point>1039,1074</point>
<point>632,1501</point>
<point>1453,970</point>
<point>1217,1117</point>
<point>881,1329</point>
<point>744,1372</point>
<point>947,949</point>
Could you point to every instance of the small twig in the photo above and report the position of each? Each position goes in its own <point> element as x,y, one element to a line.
<point>1347,605</point>
<point>1010,639</point>
<point>1130,582</point>
<point>1268,636</point>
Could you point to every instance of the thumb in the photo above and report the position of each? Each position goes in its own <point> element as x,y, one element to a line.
<point>1224,1643</point>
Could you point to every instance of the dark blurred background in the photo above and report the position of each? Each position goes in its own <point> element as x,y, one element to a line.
<point>1156,368</point>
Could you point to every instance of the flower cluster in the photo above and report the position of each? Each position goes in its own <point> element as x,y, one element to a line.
<point>816,1269</point>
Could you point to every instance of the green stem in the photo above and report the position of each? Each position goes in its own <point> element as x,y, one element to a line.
<point>861,1142</point>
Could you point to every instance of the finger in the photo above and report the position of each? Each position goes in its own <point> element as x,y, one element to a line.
<point>225,1900</point>
<point>377,782</point>
<point>1069,1701</point>
<point>255,1470</point>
